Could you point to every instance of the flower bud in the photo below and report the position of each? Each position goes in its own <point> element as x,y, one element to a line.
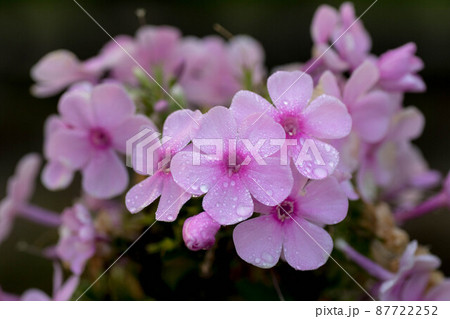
<point>199,232</point>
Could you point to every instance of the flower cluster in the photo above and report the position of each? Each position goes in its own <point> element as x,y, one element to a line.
<point>283,160</point>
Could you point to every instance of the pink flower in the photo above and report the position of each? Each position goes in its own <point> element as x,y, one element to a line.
<point>351,41</point>
<point>410,282</point>
<point>154,49</point>
<point>177,133</point>
<point>96,126</point>
<point>206,78</point>
<point>60,69</point>
<point>370,109</point>
<point>199,232</point>
<point>61,291</point>
<point>324,118</point>
<point>294,228</point>
<point>19,191</point>
<point>77,238</point>
<point>392,164</point>
<point>247,59</point>
<point>231,179</point>
<point>398,70</point>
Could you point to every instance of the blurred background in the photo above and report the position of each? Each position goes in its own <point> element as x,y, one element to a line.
<point>31,28</point>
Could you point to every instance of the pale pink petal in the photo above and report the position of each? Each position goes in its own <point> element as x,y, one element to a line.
<point>371,116</point>
<point>270,184</point>
<point>324,202</point>
<point>70,147</point>
<point>144,193</point>
<point>327,117</point>
<point>21,186</point>
<point>56,176</point>
<point>290,91</point>
<point>362,80</point>
<point>67,289</point>
<point>218,123</point>
<point>76,110</point>
<point>105,175</point>
<point>35,295</point>
<point>111,104</point>
<point>228,202</point>
<point>306,246</point>
<point>260,130</point>
<point>317,160</point>
<point>258,241</point>
<point>173,197</point>
<point>129,128</point>
<point>323,23</point>
<point>246,103</point>
<point>197,178</point>
<point>181,126</point>
<point>407,124</point>
<point>328,83</point>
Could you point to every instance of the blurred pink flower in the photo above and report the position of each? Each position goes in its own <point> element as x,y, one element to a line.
<point>398,68</point>
<point>351,41</point>
<point>77,238</point>
<point>370,109</point>
<point>206,78</point>
<point>19,191</point>
<point>96,126</point>
<point>294,228</point>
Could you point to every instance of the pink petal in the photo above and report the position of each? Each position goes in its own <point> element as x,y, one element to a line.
<point>324,202</point>
<point>260,129</point>
<point>258,241</point>
<point>21,186</point>
<point>440,292</point>
<point>323,23</point>
<point>290,91</point>
<point>180,126</point>
<point>306,246</point>
<point>67,290</point>
<point>228,202</point>
<point>218,123</point>
<point>246,103</point>
<point>408,124</point>
<point>70,147</point>
<point>56,176</point>
<point>328,83</point>
<point>327,117</point>
<point>173,197</point>
<point>129,128</point>
<point>270,184</point>
<point>197,179</point>
<point>35,295</point>
<point>111,104</point>
<point>313,167</point>
<point>144,193</point>
<point>105,176</point>
<point>76,110</point>
<point>371,116</point>
<point>362,80</point>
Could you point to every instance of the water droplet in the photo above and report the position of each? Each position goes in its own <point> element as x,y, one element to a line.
<point>204,188</point>
<point>243,210</point>
<point>233,183</point>
<point>320,172</point>
<point>267,257</point>
<point>225,184</point>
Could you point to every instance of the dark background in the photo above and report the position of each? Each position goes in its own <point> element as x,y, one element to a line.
<point>31,28</point>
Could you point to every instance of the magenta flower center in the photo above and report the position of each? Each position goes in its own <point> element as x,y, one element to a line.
<point>291,126</point>
<point>100,138</point>
<point>285,209</point>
